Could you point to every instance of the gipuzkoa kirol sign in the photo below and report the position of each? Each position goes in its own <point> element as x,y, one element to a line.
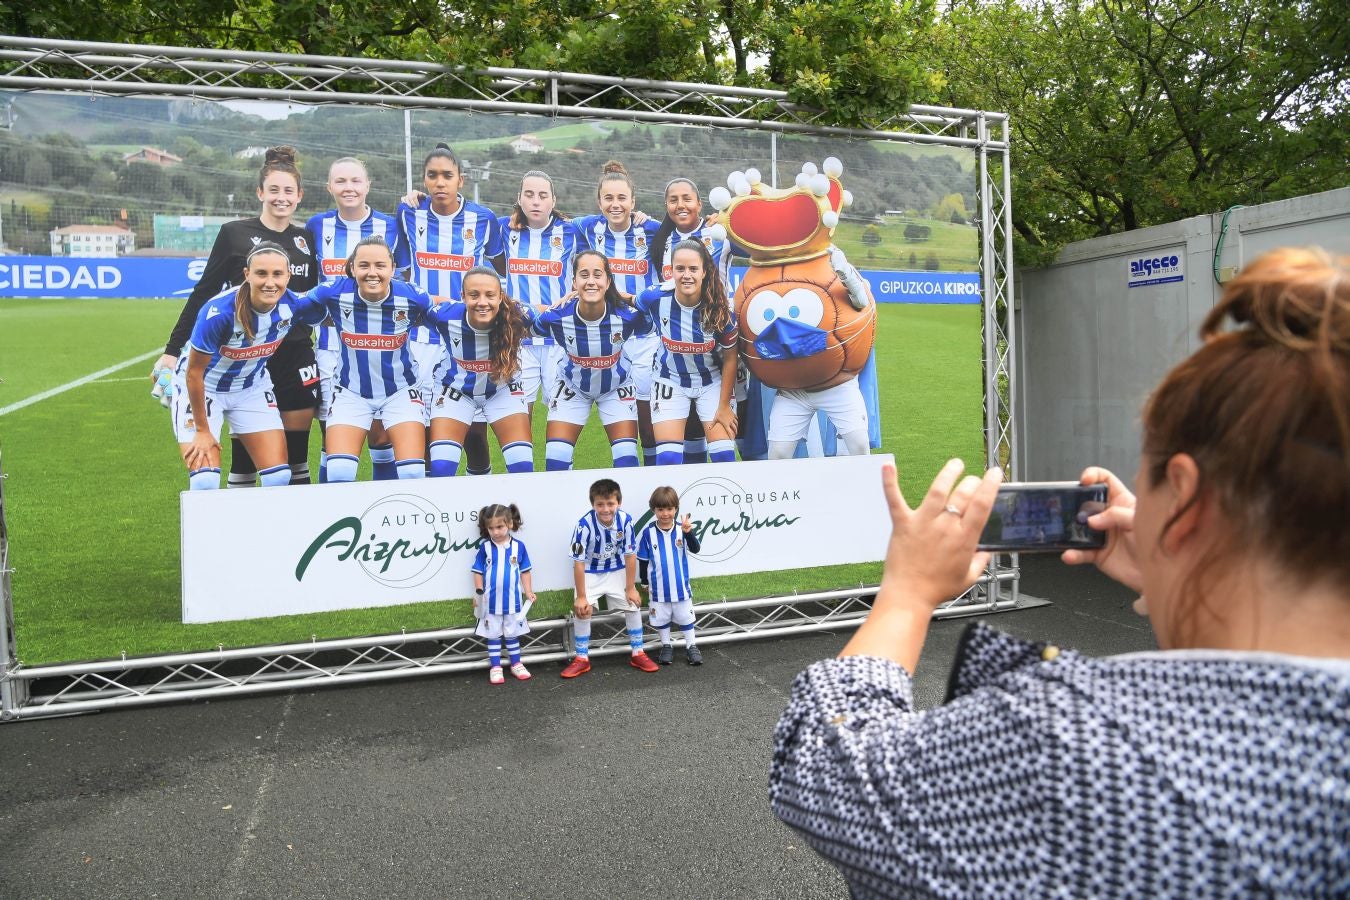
<point>327,547</point>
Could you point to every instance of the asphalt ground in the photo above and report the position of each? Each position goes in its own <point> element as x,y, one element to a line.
<point>618,784</point>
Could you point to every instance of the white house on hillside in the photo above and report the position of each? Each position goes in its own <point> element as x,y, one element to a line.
<point>92,240</point>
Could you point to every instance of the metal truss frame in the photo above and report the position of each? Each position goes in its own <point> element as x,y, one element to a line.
<point>30,64</point>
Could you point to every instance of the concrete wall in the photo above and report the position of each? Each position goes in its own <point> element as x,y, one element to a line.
<point>1091,347</point>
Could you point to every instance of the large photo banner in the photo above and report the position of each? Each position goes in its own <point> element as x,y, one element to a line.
<point>280,551</point>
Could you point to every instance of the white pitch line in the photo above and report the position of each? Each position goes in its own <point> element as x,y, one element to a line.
<point>29,401</point>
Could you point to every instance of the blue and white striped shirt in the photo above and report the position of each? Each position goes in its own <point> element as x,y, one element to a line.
<point>603,548</point>
<point>236,359</point>
<point>626,251</point>
<point>373,337</point>
<point>721,251</point>
<point>667,563</point>
<point>468,366</point>
<point>595,362</point>
<point>539,263</point>
<point>334,240</point>
<point>501,566</point>
<point>689,355</point>
<point>443,248</point>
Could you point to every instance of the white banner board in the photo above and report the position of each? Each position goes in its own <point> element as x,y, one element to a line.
<point>281,551</point>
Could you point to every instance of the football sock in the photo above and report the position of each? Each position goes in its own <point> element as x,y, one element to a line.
<point>519,456</point>
<point>494,646</point>
<point>669,454</point>
<point>276,476</point>
<point>722,451</point>
<point>297,454</point>
<point>558,455</point>
<point>581,630</point>
<point>663,631</point>
<point>341,468</point>
<point>382,463</point>
<point>687,631</point>
<point>242,471</point>
<point>204,479</point>
<point>411,468</point>
<point>649,456</point>
<point>513,650</point>
<point>695,451</point>
<point>625,453</point>
<point>445,458</point>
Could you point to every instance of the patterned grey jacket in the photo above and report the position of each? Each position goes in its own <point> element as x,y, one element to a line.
<point>1176,774</point>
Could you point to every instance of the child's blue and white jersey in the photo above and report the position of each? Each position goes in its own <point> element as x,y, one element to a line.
<point>334,240</point>
<point>539,263</point>
<point>603,548</point>
<point>375,360</point>
<point>595,362</point>
<point>667,563</point>
<point>689,354</point>
<point>721,250</point>
<point>626,251</point>
<point>501,568</point>
<point>443,248</point>
<point>236,359</point>
<point>468,367</point>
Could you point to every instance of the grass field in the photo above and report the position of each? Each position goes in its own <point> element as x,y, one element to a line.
<point>957,246</point>
<point>93,478</point>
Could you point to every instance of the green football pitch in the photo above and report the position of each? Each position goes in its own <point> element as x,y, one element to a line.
<point>93,476</point>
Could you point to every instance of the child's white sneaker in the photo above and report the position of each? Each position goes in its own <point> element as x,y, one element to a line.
<point>495,675</point>
<point>519,670</point>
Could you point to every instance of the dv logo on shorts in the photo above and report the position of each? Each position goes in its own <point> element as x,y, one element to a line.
<point>400,541</point>
<point>726,516</point>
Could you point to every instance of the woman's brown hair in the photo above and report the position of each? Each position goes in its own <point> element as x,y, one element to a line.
<point>279,159</point>
<point>1264,409</point>
<point>712,296</point>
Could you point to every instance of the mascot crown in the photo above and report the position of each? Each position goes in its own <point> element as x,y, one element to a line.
<point>779,226</point>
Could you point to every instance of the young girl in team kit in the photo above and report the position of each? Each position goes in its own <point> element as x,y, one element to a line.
<point>663,550</point>
<point>293,369</point>
<point>684,221</point>
<point>334,235</point>
<point>538,243</point>
<point>483,334</point>
<point>616,233</point>
<point>696,366</point>
<point>224,378</point>
<point>503,593</point>
<point>592,330</point>
<point>376,377</point>
<point>446,236</point>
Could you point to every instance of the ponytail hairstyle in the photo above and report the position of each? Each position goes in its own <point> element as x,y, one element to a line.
<point>712,296</point>
<point>613,299</point>
<point>613,170</point>
<point>509,329</point>
<point>510,512</point>
<point>656,250</point>
<point>243,306</point>
<point>442,151</point>
<point>1263,407</point>
<point>517,221</point>
<point>375,240</point>
<point>279,159</point>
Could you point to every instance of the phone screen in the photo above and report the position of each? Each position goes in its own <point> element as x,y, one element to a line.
<point>1044,516</point>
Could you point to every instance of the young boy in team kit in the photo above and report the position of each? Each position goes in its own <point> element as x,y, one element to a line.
<point>605,568</point>
<point>663,567</point>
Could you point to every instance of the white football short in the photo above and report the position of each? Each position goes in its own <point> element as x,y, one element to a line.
<point>680,611</point>
<point>790,418</point>
<point>427,360</point>
<point>496,625</point>
<point>248,411</point>
<point>327,361</point>
<point>567,404</point>
<point>608,589</point>
<point>350,408</point>
<point>539,364</point>
<point>640,356</point>
<point>672,401</point>
<point>452,403</point>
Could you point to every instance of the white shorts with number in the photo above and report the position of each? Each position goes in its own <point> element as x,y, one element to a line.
<point>496,625</point>
<point>610,587</point>
<point>567,404</point>
<point>327,361</point>
<point>679,611</point>
<point>539,365</point>
<point>427,359</point>
<point>671,401</point>
<point>640,352</point>
<point>350,408</point>
<point>452,403</point>
<point>790,418</point>
<point>248,411</point>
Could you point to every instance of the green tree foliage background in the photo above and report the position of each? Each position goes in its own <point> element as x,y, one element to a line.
<point>1125,113</point>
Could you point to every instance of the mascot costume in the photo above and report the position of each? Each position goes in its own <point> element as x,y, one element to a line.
<point>806,318</point>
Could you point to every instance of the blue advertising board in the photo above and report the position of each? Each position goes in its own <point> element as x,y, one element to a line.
<point>149,276</point>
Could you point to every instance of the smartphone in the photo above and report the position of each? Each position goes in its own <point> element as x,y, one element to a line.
<point>1044,516</point>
